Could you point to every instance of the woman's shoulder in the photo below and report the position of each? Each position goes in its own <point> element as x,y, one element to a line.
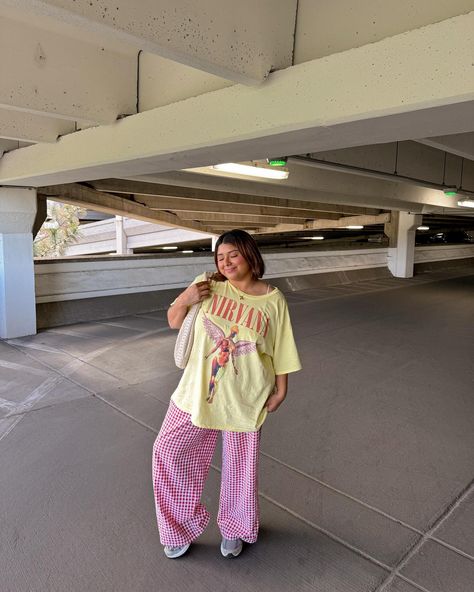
<point>206,275</point>
<point>267,289</point>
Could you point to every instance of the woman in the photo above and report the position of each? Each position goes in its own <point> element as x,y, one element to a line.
<point>237,372</point>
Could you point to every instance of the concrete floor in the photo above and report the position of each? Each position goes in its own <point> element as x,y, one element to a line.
<point>366,471</point>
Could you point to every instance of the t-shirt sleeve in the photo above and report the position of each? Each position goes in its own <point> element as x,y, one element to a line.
<point>285,354</point>
<point>199,278</point>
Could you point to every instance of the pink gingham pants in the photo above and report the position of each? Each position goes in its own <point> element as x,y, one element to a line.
<point>182,455</point>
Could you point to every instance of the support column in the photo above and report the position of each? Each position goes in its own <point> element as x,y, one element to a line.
<point>41,214</point>
<point>401,251</point>
<point>121,237</point>
<point>213,243</point>
<point>17,276</point>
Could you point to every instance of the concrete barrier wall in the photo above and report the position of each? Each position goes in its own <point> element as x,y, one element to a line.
<point>106,276</point>
<point>76,279</point>
<point>81,290</point>
<point>443,253</point>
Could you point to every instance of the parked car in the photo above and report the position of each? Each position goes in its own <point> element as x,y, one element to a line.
<point>451,236</point>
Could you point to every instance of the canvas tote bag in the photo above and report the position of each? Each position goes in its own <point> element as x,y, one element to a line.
<point>184,341</point>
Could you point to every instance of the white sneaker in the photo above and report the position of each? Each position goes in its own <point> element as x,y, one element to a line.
<point>231,548</point>
<point>174,552</point>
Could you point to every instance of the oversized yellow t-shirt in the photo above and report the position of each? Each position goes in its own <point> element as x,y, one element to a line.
<point>240,343</point>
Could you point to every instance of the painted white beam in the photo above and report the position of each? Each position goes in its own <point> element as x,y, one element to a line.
<point>378,93</point>
<point>48,73</point>
<point>7,145</point>
<point>242,41</point>
<point>162,82</point>
<point>459,144</point>
<point>26,127</point>
<point>326,27</point>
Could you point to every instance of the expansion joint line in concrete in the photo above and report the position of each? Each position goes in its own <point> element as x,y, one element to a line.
<point>343,493</point>
<point>457,501</point>
<point>24,407</point>
<point>142,423</point>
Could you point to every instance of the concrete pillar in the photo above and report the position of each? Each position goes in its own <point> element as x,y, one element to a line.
<point>401,251</point>
<point>213,243</point>
<point>121,237</point>
<point>41,214</point>
<point>17,277</point>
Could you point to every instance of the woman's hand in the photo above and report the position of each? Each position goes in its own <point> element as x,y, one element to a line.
<point>274,401</point>
<point>278,395</point>
<point>192,295</point>
<point>195,293</point>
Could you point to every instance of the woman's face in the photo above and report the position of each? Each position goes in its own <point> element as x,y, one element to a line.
<point>231,263</point>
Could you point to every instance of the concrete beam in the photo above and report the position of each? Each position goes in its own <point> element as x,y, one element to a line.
<point>409,162</point>
<point>335,187</point>
<point>377,93</point>
<point>459,144</point>
<point>238,218</point>
<point>326,27</point>
<point>199,209</point>
<point>163,82</point>
<point>26,127</point>
<point>187,198</point>
<point>37,77</point>
<point>242,41</point>
<point>7,145</point>
<point>111,204</point>
<point>328,224</point>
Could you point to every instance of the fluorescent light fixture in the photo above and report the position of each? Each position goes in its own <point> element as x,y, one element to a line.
<point>423,228</point>
<point>354,227</point>
<point>466,203</point>
<point>187,251</point>
<point>313,237</point>
<point>169,248</point>
<point>250,171</point>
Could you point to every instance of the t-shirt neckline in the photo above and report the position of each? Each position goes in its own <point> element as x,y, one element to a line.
<point>246,295</point>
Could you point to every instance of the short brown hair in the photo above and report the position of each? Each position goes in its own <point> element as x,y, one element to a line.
<point>247,247</point>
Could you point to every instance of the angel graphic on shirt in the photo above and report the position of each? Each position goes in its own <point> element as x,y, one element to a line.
<point>227,347</point>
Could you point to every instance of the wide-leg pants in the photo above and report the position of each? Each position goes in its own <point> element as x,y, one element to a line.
<point>182,455</point>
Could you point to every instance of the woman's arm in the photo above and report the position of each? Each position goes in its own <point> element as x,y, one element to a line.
<point>279,393</point>
<point>193,294</point>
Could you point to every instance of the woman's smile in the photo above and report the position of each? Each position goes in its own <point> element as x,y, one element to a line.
<point>231,263</point>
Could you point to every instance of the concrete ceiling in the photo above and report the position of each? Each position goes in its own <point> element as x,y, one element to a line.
<point>378,98</point>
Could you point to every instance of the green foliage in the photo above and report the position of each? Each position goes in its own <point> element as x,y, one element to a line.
<point>61,229</point>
